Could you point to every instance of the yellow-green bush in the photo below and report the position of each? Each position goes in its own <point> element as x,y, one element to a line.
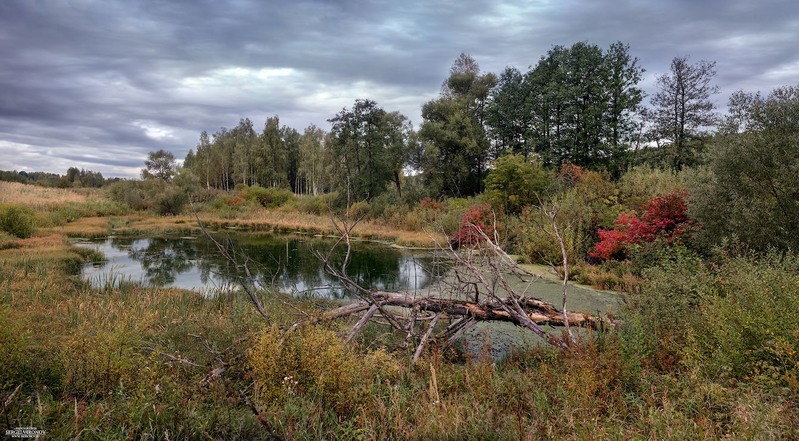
<point>16,220</point>
<point>267,197</point>
<point>750,324</point>
<point>96,362</point>
<point>150,194</point>
<point>319,204</point>
<point>537,241</point>
<point>314,362</point>
<point>733,320</point>
<point>515,182</point>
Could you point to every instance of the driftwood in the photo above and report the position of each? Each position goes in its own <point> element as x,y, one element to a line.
<point>478,291</point>
<point>537,311</point>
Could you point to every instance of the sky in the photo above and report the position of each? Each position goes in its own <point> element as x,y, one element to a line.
<point>99,84</point>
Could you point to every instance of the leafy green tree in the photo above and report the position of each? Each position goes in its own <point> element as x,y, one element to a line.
<point>311,166</point>
<point>622,123</point>
<point>190,161</point>
<point>398,139</point>
<point>200,162</point>
<point>160,165</point>
<point>291,141</point>
<point>508,117</point>
<point>221,159</point>
<point>578,105</point>
<point>681,108</point>
<point>209,162</point>
<point>516,182</point>
<point>750,187</point>
<point>72,175</point>
<point>366,145</point>
<point>245,160</point>
<point>274,154</point>
<point>454,141</point>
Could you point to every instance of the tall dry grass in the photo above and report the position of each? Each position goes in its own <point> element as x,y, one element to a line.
<point>39,197</point>
<point>134,362</point>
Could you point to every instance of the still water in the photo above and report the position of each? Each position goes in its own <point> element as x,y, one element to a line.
<point>288,263</point>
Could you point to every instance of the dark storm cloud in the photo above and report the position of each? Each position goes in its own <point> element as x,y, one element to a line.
<point>99,84</point>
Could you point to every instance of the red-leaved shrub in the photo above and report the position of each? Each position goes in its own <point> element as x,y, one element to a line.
<point>478,218</point>
<point>431,204</point>
<point>664,217</point>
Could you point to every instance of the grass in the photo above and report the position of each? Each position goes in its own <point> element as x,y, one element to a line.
<point>103,349</point>
<point>90,213</point>
<point>125,361</point>
<point>39,197</point>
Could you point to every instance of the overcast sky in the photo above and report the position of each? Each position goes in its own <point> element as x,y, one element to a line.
<point>99,84</point>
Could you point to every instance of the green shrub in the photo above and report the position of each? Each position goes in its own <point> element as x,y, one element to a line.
<point>387,206</point>
<point>663,314</point>
<point>750,187</point>
<point>268,197</point>
<point>537,241</point>
<point>319,204</point>
<point>750,325</point>
<point>151,194</point>
<point>17,221</point>
<point>642,184</point>
<point>734,320</point>
<point>515,182</point>
<point>171,202</point>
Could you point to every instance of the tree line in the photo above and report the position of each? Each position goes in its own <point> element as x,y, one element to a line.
<point>74,177</point>
<point>579,105</point>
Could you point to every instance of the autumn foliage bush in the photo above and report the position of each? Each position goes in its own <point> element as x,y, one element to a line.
<point>479,218</point>
<point>664,217</point>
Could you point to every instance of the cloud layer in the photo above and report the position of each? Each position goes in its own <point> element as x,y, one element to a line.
<point>99,84</point>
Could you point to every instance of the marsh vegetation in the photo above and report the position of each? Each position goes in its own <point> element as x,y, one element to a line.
<point>695,237</point>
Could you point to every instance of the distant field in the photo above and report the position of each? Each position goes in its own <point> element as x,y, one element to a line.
<point>33,196</point>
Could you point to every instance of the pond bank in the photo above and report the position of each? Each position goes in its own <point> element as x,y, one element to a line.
<point>270,221</point>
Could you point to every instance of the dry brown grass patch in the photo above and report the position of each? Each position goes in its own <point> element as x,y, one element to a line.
<point>49,242</point>
<point>37,197</point>
<point>85,227</point>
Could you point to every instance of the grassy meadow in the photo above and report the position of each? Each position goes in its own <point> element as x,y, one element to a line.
<point>135,362</point>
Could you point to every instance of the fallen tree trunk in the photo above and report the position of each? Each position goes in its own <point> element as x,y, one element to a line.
<point>538,311</point>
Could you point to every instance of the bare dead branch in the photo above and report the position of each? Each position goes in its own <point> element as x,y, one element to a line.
<point>231,257</point>
<point>426,336</point>
<point>258,416</point>
<point>553,214</point>
<point>362,322</point>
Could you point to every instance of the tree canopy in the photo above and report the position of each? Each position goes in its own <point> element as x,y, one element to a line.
<point>682,108</point>
<point>577,105</point>
<point>454,142</point>
<point>750,187</point>
<point>159,165</point>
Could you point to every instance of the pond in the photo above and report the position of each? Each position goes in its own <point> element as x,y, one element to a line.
<point>288,263</point>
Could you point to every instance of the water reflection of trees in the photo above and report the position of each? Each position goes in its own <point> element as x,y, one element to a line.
<point>287,263</point>
<point>161,259</point>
